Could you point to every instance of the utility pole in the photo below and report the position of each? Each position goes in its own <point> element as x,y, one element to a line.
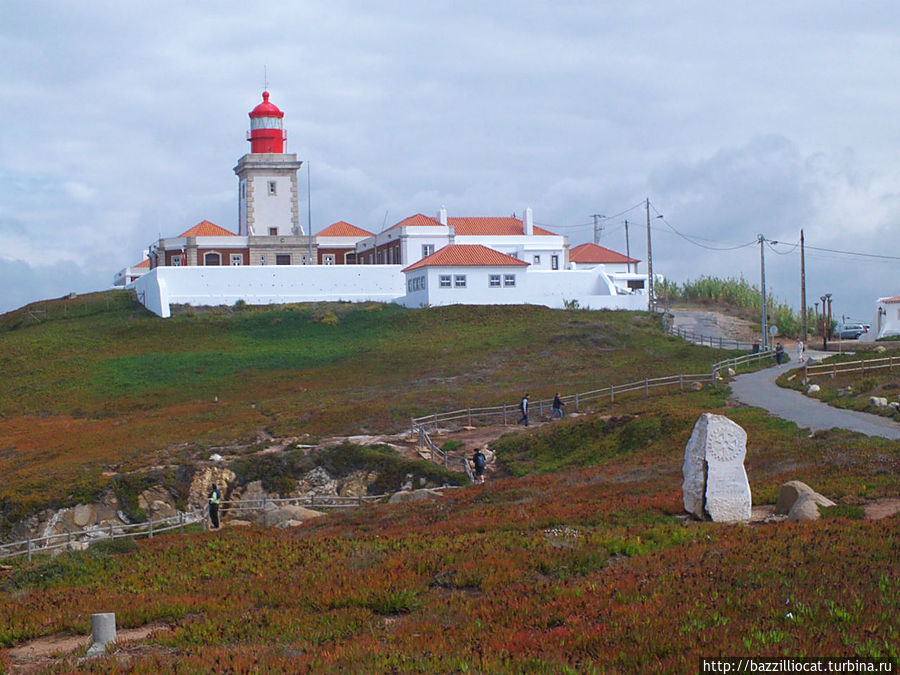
<point>762,300</point>
<point>598,228</point>
<point>649,258</point>
<point>628,248</point>
<point>802,290</point>
<point>309,216</point>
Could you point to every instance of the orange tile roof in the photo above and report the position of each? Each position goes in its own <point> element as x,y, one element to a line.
<point>491,225</point>
<point>592,253</point>
<point>467,255</point>
<point>207,229</point>
<point>894,298</point>
<point>344,229</point>
<point>418,220</point>
<point>144,263</point>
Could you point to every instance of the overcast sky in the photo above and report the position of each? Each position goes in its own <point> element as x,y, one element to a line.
<point>122,122</point>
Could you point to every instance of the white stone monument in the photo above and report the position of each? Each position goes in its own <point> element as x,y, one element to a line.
<point>715,483</point>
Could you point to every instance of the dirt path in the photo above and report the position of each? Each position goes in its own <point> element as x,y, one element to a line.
<point>45,652</point>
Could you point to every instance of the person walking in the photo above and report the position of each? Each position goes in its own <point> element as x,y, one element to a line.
<point>214,498</point>
<point>523,408</point>
<point>779,353</point>
<point>557,407</point>
<point>478,462</point>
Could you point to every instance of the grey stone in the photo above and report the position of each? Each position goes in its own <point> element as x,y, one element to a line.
<point>804,509</point>
<point>791,491</point>
<point>878,401</point>
<point>274,515</point>
<point>413,495</point>
<point>84,514</point>
<point>812,389</point>
<point>715,483</point>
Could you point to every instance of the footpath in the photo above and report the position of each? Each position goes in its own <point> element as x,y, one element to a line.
<point>760,391</point>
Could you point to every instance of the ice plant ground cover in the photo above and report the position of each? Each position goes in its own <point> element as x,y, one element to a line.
<point>586,569</point>
<point>579,561</point>
<point>103,388</point>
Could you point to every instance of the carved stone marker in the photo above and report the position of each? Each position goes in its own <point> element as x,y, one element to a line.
<point>715,483</point>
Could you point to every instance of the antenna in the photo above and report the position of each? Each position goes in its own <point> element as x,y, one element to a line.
<point>384,222</point>
<point>265,78</point>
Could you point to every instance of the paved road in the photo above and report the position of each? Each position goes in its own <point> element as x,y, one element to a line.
<point>759,390</point>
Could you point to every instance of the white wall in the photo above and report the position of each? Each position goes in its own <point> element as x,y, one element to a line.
<point>261,285</point>
<point>264,285</point>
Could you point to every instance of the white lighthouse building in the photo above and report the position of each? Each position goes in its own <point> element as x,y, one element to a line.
<point>268,203</point>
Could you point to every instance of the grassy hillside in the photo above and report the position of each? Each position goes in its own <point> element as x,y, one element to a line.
<point>580,562</point>
<point>578,570</point>
<point>103,386</point>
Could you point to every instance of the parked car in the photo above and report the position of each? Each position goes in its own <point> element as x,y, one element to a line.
<point>849,331</point>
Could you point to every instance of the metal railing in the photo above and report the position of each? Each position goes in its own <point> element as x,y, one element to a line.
<point>860,366</point>
<point>717,342</point>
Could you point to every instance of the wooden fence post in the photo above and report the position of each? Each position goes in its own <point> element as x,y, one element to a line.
<point>646,387</point>
<point>150,523</point>
<point>28,546</point>
<point>576,403</point>
<point>504,414</point>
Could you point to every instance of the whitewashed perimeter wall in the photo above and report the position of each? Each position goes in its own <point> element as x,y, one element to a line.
<point>265,285</point>
<point>268,285</point>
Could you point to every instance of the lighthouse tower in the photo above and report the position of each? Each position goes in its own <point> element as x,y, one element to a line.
<point>267,179</point>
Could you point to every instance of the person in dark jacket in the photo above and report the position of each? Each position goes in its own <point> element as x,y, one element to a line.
<point>557,407</point>
<point>523,407</point>
<point>478,462</point>
<point>214,498</point>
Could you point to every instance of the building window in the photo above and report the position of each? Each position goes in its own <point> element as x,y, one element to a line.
<point>537,260</point>
<point>554,262</point>
<point>283,259</point>
<point>176,261</point>
<point>427,250</point>
<point>416,284</point>
<point>237,259</point>
<point>349,258</point>
<point>273,231</point>
<point>445,281</point>
<point>635,284</point>
<point>328,259</point>
<point>509,280</point>
<point>273,188</point>
<point>494,281</point>
<point>459,280</point>
<point>212,259</point>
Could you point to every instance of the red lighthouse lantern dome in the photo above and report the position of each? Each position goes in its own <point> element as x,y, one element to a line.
<point>266,133</point>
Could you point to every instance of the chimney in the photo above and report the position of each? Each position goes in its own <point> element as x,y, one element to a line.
<point>528,222</point>
<point>442,215</point>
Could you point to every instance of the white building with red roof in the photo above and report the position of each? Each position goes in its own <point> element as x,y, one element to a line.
<point>418,261</point>
<point>418,236</point>
<point>336,244</point>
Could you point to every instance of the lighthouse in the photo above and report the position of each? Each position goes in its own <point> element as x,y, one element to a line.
<point>268,196</point>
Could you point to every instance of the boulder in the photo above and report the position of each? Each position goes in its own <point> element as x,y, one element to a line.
<point>878,401</point>
<point>715,482</point>
<point>84,514</point>
<point>812,389</point>
<point>203,481</point>
<point>274,515</point>
<point>791,492</point>
<point>804,509</point>
<point>413,495</point>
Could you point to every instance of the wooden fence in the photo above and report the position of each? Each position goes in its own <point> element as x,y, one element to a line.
<point>75,539</point>
<point>860,366</point>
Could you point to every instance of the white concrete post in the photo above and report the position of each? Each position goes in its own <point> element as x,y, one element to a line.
<point>103,631</point>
